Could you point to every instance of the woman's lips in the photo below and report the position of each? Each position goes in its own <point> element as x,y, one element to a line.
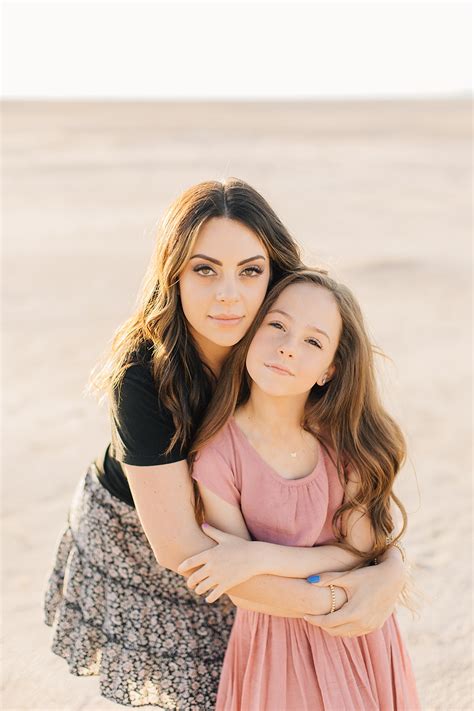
<point>227,321</point>
<point>279,369</point>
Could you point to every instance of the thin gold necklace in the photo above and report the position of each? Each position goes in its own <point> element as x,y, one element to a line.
<point>292,454</point>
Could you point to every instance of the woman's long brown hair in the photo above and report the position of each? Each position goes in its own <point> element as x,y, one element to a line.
<point>345,414</point>
<point>183,382</point>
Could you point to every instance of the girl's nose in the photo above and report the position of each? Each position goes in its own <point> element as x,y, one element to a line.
<point>286,351</point>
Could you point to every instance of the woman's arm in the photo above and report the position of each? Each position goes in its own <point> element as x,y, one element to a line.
<point>163,496</point>
<point>372,591</point>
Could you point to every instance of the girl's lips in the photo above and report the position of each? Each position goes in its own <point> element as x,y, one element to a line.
<point>280,369</point>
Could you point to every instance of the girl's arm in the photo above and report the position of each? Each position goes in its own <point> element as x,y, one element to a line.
<point>259,593</point>
<point>163,496</point>
<point>257,557</point>
<point>299,562</point>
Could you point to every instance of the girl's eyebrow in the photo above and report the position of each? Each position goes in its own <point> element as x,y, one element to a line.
<point>216,261</point>
<point>314,328</point>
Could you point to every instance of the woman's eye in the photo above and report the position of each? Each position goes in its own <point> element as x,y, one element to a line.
<point>204,270</point>
<point>314,342</point>
<point>252,271</point>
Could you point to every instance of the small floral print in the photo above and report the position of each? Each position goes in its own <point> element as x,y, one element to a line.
<point>118,614</point>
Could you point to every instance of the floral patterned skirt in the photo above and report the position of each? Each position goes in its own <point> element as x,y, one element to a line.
<point>117,613</point>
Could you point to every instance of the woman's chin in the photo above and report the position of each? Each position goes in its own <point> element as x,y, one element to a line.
<point>226,340</point>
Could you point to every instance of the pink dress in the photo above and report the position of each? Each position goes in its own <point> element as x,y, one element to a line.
<point>286,664</point>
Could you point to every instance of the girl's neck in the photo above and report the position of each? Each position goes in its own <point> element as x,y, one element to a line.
<point>275,415</point>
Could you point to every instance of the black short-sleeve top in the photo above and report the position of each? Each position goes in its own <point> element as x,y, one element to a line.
<point>141,428</point>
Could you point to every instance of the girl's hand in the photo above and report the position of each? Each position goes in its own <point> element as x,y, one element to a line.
<point>222,567</point>
<point>372,593</point>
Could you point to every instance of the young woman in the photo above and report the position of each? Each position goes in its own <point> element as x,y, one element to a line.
<point>117,605</point>
<point>308,456</point>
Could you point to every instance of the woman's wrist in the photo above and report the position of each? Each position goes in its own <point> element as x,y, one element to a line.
<point>394,556</point>
<point>320,599</point>
<point>394,566</point>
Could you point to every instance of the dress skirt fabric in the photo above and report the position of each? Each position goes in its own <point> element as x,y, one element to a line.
<point>286,664</point>
<point>118,614</point>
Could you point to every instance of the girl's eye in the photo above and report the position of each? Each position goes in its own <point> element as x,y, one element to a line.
<point>314,342</point>
<point>276,324</point>
<point>252,271</point>
<point>204,270</point>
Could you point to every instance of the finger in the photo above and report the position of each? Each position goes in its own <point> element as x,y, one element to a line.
<point>346,631</point>
<point>196,577</point>
<point>194,562</point>
<point>214,533</point>
<point>204,586</point>
<point>215,594</point>
<point>330,620</point>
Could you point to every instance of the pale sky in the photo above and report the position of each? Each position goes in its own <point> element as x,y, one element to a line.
<point>235,50</point>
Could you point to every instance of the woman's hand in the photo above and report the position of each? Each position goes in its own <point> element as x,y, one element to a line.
<point>372,594</point>
<point>231,562</point>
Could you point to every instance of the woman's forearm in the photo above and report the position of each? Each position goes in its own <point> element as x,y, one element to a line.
<point>283,597</point>
<point>294,562</point>
<point>260,607</point>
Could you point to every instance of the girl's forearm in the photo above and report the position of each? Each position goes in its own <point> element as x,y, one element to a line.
<point>294,562</point>
<point>283,597</point>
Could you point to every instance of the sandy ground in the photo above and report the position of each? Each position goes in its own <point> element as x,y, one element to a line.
<point>379,191</point>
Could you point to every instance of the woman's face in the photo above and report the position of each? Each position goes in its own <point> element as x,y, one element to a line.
<point>224,282</point>
<point>294,347</point>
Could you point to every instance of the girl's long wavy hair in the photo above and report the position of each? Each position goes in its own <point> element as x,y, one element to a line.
<point>346,415</point>
<point>184,384</point>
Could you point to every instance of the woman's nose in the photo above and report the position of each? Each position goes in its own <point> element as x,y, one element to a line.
<point>228,293</point>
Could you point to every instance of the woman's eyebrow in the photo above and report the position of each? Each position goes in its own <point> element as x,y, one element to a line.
<point>216,261</point>
<point>314,328</point>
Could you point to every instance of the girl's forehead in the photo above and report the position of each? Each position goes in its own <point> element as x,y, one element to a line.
<point>309,304</point>
<point>304,295</point>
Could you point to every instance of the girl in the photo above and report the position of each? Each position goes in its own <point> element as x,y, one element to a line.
<point>308,456</point>
<point>117,606</point>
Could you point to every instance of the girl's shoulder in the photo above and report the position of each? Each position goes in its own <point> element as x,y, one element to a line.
<point>223,444</point>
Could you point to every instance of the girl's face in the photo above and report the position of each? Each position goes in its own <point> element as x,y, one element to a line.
<point>294,347</point>
<point>224,282</point>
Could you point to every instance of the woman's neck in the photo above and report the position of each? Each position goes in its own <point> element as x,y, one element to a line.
<point>275,415</point>
<point>211,353</point>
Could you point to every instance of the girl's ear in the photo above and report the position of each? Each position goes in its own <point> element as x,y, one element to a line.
<point>328,375</point>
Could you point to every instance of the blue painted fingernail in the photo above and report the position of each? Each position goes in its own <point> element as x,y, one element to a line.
<point>313,579</point>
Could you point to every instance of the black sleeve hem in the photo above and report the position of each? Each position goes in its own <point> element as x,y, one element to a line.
<point>152,460</point>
